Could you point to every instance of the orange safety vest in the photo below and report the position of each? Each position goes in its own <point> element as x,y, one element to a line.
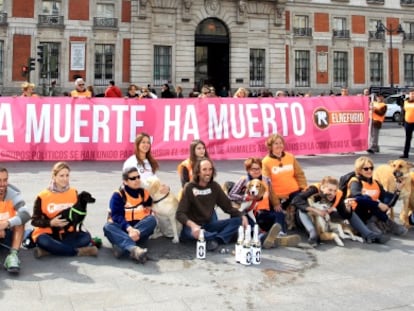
<point>409,112</point>
<point>133,209</point>
<point>378,106</point>
<point>371,190</point>
<point>7,210</point>
<point>282,174</point>
<point>186,164</point>
<point>76,93</point>
<point>52,204</point>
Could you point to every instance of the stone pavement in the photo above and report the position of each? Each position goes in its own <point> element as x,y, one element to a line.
<point>357,276</point>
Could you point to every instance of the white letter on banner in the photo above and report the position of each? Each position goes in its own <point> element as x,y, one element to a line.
<point>298,119</point>
<point>190,123</point>
<point>59,118</point>
<point>241,120</point>
<point>135,123</point>
<point>79,123</point>
<point>173,123</point>
<point>38,128</point>
<point>252,120</point>
<point>268,119</point>
<point>101,123</point>
<point>119,110</point>
<point>218,128</point>
<point>282,107</point>
<point>6,119</point>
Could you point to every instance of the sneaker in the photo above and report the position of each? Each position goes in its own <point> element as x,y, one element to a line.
<point>88,251</point>
<point>370,151</point>
<point>117,251</point>
<point>404,156</point>
<point>377,238</point>
<point>40,252</point>
<point>212,245</point>
<point>288,240</point>
<point>395,228</point>
<point>139,254</point>
<point>271,236</point>
<point>372,225</point>
<point>12,262</point>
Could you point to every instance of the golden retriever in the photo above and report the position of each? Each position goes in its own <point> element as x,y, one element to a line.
<point>388,175</point>
<point>328,230</point>
<point>164,207</point>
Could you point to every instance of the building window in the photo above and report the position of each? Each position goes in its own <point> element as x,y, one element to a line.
<point>301,26</point>
<point>105,10</point>
<point>49,66</point>
<point>50,7</point>
<point>257,67</point>
<point>409,69</point>
<point>302,68</point>
<point>340,28</point>
<point>376,69</point>
<point>372,30</point>
<point>340,66</point>
<point>162,64</point>
<point>408,31</point>
<point>104,63</point>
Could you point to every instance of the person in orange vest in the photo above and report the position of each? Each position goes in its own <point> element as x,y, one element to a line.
<point>80,90</point>
<point>408,112</point>
<point>13,216</point>
<point>130,221</point>
<point>270,221</point>
<point>49,233</point>
<point>372,200</point>
<point>379,109</point>
<point>328,191</point>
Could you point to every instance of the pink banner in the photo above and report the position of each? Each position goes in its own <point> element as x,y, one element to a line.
<point>63,128</point>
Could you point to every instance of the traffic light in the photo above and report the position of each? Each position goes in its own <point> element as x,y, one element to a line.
<point>40,53</point>
<point>25,70</point>
<point>31,63</point>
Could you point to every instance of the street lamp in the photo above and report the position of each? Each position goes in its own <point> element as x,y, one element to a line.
<point>381,28</point>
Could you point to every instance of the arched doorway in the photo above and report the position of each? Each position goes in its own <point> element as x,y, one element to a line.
<point>212,54</point>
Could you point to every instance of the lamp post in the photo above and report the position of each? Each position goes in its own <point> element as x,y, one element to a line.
<point>381,28</point>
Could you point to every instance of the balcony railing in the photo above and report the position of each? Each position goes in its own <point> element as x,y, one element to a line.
<point>342,34</point>
<point>50,20</point>
<point>408,36</point>
<point>105,22</point>
<point>375,35</point>
<point>3,18</point>
<point>302,32</point>
<point>407,2</point>
<point>375,1</point>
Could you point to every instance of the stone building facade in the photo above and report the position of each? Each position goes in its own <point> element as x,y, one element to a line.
<point>299,46</point>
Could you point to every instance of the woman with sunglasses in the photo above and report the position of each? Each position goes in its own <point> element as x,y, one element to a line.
<point>130,222</point>
<point>372,201</point>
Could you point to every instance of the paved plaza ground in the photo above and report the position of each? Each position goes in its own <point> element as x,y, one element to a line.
<point>355,277</point>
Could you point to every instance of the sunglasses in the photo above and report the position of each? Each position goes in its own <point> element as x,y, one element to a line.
<point>366,169</point>
<point>134,177</point>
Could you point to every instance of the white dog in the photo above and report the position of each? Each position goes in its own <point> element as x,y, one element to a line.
<point>164,207</point>
<point>328,230</point>
<point>255,190</point>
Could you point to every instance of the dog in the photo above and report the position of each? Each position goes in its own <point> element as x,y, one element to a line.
<point>328,230</point>
<point>164,208</point>
<point>77,213</point>
<point>398,171</point>
<point>255,191</point>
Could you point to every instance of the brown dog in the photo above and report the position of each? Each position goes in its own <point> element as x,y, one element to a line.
<point>388,175</point>
<point>255,191</point>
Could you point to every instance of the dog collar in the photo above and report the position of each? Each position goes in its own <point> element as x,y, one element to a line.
<point>162,198</point>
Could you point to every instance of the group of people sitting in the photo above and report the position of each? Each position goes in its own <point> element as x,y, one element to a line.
<point>131,221</point>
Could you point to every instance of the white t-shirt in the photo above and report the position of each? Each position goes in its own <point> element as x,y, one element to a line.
<point>144,170</point>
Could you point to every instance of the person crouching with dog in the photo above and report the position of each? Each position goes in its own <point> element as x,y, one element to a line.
<point>327,192</point>
<point>271,222</point>
<point>130,222</point>
<point>196,209</point>
<point>49,233</point>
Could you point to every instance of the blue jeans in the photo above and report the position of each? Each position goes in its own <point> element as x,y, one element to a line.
<point>222,230</point>
<point>69,244</point>
<point>121,239</point>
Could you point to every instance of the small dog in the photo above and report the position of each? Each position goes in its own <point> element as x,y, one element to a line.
<point>397,171</point>
<point>328,230</point>
<point>164,207</point>
<point>77,213</point>
<point>255,190</point>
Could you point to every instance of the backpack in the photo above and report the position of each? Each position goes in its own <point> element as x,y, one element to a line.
<point>344,180</point>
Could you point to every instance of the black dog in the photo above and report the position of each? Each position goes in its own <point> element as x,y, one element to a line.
<point>77,213</point>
